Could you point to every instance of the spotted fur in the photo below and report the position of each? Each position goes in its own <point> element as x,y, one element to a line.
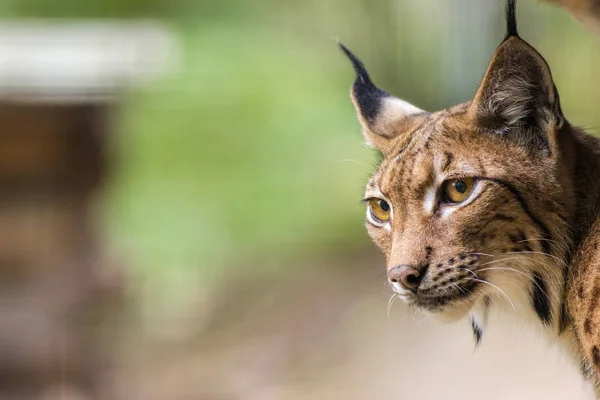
<point>526,237</point>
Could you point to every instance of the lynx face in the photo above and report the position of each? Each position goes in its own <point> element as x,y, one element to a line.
<point>470,204</point>
<point>452,205</point>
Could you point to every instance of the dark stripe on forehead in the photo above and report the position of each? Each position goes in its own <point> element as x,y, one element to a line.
<point>417,147</point>
<point>397,163</point>
<point>448,161</point>
<point>411,136</point>
<point>408,176</point>
<point>391,169</point>
<point>432,125</point>
<point>402,163</point>
<point>545,231</point>
<point>480,165</point>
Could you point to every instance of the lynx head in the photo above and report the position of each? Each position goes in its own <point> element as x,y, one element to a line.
<point>469,204</point>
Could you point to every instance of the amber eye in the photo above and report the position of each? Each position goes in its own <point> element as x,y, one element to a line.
<point>457,190</point>
<point>380,210</point>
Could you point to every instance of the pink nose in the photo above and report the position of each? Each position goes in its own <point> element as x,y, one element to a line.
<point>408,277</point>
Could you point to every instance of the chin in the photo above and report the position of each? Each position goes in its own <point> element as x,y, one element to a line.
<point>450,310</point>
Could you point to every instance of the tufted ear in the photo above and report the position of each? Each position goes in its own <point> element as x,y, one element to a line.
<point>381,115</point>
<point>517,90</point>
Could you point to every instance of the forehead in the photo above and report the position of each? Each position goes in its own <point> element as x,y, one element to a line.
<point>435,144</point>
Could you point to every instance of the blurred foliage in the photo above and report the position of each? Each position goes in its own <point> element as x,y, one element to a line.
<point>251,152</point>
<point>228,162</point>
<point>192,10</point>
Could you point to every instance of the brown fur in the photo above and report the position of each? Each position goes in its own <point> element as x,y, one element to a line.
<point>587,11</point>
<point>527,237</point>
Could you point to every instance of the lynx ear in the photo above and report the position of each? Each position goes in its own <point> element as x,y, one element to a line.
<point>381,115</point>
<point>517,90</point>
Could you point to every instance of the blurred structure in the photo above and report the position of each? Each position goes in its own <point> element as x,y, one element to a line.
<point>60,85</point>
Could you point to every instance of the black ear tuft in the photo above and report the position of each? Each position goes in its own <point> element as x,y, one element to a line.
<point>359,67</point>
<point>382,116</point>
<point>366,93</point>
<point>511,18</point>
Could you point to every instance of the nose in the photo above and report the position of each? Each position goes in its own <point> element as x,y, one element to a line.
<point>407,276</point>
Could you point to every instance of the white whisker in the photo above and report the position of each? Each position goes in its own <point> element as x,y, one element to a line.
<point>458,287</point>
<point>500,290</point>
<point>469,270</point>
<point>517,271</point>
<point>497,261</point>
<point>389,306</point>
<point>481,254</point>
<point>538,240</point>
<point>351,161</point>
<point>540,253</point>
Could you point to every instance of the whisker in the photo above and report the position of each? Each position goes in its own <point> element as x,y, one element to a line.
<point>481,254</point>
<point>492,300</point>
<point>519,272</point>
<point>459,288</point>
<point>524,253</point>
<point>389,306</point>
<point>469,270</point>
<point>539,240</point>
<point>351,161</point>
<point>508,268</point>
<point>496,287</point>
<point>497,261</point>
<point>540,253</point>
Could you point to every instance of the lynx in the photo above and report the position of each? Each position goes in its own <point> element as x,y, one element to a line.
<point>491,203</point>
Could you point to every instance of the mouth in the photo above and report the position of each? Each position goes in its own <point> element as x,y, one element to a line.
<point>437,299</point>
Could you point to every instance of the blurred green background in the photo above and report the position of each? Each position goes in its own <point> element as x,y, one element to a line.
<point>250,154</point>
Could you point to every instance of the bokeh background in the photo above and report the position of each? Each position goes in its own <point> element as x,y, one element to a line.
<point>230,207</point>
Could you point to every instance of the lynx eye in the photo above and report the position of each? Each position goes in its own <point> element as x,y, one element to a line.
<point>457,190</point>
<point>380,210</point>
